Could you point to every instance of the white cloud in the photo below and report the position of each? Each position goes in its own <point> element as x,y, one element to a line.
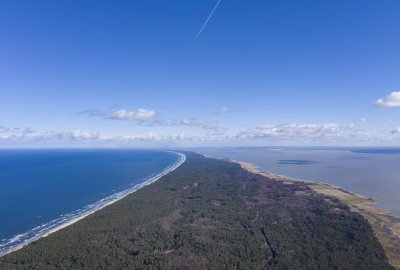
<point>209,125</point>
<point>363,120</point>
<point>223,110</point>
<point>78,135</point>
<point>396,131</point>
<point>266,126</point>
<point>53,137</point>
<point>164,138</point>
<point>3,129</point>
<point>150,137</point>
<point>389,119</point>
<point>138,115</point>
<point>90,137</point>
<point>194,122</point>
<point>392,100</point>
<point>300,132</point>
<point>210,104</point>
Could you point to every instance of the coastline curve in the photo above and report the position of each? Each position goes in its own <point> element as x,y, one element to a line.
<point>21,240</point>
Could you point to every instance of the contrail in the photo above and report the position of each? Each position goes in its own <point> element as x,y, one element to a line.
<point>206,21</point>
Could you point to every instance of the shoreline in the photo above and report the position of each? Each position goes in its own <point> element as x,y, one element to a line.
<point>123,194</point>
<point>385,225</point>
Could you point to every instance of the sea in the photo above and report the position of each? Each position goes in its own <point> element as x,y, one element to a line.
<point>369,171</point>
<point>42,190</point>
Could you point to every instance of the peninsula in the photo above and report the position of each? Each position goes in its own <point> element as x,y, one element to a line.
<point>213,214</point>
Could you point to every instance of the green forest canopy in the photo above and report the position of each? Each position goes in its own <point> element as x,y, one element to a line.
<point>210,214</point>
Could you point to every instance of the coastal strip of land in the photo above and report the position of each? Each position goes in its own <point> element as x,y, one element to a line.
<point>385,225</point>
<point>211,214</point>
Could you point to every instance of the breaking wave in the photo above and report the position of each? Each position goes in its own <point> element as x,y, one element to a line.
<point>20,240</point>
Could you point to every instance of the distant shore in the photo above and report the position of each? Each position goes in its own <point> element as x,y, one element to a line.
<point>123,194</point>
<point>385,225</point>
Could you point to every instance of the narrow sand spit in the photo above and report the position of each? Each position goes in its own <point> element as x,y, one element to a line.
<point>385,225</point>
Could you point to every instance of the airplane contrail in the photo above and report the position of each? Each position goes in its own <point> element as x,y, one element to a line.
<point>206,21</point>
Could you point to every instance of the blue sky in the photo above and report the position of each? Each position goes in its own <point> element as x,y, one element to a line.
<point>261,73</point>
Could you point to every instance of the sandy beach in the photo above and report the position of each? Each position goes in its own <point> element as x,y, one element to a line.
<point>385,225</point>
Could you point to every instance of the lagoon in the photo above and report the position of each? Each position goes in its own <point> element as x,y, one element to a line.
<point>372,172</point>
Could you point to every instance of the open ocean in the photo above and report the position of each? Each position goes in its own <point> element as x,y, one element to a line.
<point>372,172</point>
<point>41,190</point>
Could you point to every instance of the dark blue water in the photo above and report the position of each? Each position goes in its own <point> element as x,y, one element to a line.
<point>43,189</point>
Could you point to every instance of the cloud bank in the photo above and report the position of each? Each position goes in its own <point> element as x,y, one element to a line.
<point>300,132</point>
<point>150,137</point>
<point>78,135</point>
<point>194,122</point>
<point>287,133</point>
<point>138,115</point>
<point>392,100</point>
<point>53,137</point>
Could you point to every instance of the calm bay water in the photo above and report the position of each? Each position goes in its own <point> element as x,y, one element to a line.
<point>43,189</point>
<point>369,172</point>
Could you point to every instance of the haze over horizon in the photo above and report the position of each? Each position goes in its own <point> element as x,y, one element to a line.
<point>199,73</point>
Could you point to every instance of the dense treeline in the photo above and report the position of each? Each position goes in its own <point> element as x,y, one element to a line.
<point>210,214</point>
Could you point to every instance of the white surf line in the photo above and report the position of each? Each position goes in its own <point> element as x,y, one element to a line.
<point>60,223</point>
